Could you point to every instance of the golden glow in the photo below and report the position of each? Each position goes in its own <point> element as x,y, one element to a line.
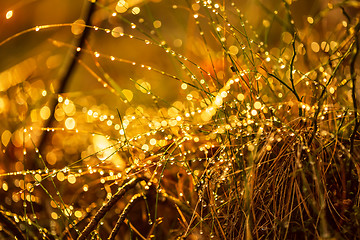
<point>104,152</point>
<point>184,103</point>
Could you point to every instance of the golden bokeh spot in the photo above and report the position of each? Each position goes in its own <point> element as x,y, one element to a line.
<point>70,123</point>
<point>251,147</point>
<point>9,14</point>
<point>78,214</point>
<point>157,24</point>
<point>315,47</point>
<point>53,61</point>
<point>71,178</point>
<point>178,42</point>
<point>45,112</point>
<point>172,112</point>
<point>51,157</point>
<point>60,176</point>
<point>332,90</point>
<point>145,147</point>
<point>310,20</point>
<point>5,137</point>
<point>287,37</point>
<point>153,141</point>
<point>257,105</point>
<point>128,94</point>
<point>5,186</point>
<point>69,108</point>
<point>233,50</point>
<point>117,32</point>
<point>54,215</point>
<point>122,6</point>
<point>38,177</point>
<point>135,11</point>
<point>240,97</point>
<point>78,27</point>
<point>143,86</point>
<point>266,23</point>
<point>195,6</point>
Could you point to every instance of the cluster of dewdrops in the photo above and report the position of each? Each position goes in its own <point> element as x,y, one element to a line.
<point>198,126</point>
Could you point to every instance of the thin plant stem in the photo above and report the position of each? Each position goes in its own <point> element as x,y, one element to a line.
<point>123,215</point>
<point>105,208</point>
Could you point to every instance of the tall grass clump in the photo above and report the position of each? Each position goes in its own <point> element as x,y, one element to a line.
<point>156,119</point>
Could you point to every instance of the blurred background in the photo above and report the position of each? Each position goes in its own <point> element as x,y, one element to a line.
<point>38,60</point>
